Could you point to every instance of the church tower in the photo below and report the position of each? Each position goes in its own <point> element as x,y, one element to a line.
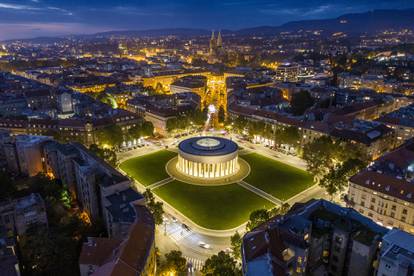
<point>212,43</point>
<point>219,40</point>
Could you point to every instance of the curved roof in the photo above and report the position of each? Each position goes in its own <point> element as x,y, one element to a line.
<point>207,146</point>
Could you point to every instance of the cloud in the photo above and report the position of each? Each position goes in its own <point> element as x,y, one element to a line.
<point>17,6</point>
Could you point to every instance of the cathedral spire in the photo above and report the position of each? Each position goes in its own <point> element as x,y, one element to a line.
<point>219,40</point>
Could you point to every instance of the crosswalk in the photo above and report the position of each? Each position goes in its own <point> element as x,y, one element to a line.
<point>194,264</point>
<point>178,233</point>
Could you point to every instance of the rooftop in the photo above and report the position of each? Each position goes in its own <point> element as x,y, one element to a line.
<point>208,146</point>
<point>392,174</point>
<point>121,208</point>
<point>403,116</point>
<point>97,251</point>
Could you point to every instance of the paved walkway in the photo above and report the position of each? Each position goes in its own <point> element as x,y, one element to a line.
<point>160,183</point>
<point>260,193</point>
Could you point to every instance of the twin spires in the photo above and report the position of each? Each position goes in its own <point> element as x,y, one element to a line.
<point>216,43</point>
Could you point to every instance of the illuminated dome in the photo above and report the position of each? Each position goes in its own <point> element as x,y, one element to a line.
<point>208,157</point>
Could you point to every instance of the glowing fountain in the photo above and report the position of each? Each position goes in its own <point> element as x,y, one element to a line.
<point>211,109</point>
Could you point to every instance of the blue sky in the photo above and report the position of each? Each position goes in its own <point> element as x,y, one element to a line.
<point>31,18</point>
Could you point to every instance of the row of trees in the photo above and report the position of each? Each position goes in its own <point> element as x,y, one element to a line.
<point>155,207</point>
<point>183,121</point>
<point>331,161</point>
<point>282,135</point>
<point>113,135</point>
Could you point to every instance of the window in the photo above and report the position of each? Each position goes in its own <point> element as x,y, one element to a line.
<point>373,200</point>
<point>393,207</point>
<point>404,211</point>
<point>392,214</point>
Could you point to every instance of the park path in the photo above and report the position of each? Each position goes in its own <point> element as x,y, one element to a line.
<point>160,183</point>
<point>260,193</point>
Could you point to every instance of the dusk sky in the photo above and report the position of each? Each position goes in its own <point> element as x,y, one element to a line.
<point>32,18</point>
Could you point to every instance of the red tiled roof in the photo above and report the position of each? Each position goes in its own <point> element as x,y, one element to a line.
<point>98,250</point>
<point>386,184</point>
<point>134,254</point>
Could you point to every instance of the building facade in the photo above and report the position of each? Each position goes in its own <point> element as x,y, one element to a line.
<point>384,191</point>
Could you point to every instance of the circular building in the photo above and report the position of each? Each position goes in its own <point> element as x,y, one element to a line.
<point>208,157</point>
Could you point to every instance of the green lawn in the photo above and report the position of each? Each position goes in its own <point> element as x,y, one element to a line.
<point>216,207</point>
<point>276,178</point>
<point>149,168</point>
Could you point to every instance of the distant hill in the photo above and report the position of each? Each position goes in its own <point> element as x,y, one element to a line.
<point>368,22</point>
<point>356,23</point>
<point>353,24</point>
<point>158,32</point>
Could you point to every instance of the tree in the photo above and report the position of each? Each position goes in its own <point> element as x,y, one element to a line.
<point>221,264</point>
<point>221,114</point>
<point>337,178</point>
<point>7,187</point>
<point>300,102</point>
<point>256,218</point>
<point>106,154</point>
<point>281,210</point>
<point>174,263</point>
<point>111,136</point>
<point>135,132</point>
<point>319,156</point>
<point>147,129</point>
<point>156,208</point>
<point>236,242</point>
<point>287,135</point>
<point>42,253</point>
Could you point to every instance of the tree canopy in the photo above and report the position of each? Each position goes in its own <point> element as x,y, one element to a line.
<point>332,161</point>
<point>155,207</point>
<point>236,243</point>
<point>111,136</point>
<point>300,102</point>
<point>106,154</point>
<point>256,218</point>
<point>221,264</point>
<point>174,264</point>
